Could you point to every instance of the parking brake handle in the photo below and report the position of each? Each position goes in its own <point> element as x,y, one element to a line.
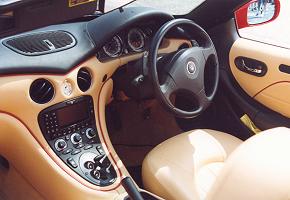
<point>131,189</point>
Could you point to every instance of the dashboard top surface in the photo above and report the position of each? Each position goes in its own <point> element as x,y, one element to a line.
<point>90,37</point>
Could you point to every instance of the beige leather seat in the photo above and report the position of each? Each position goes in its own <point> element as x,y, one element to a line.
<point>207,164</point>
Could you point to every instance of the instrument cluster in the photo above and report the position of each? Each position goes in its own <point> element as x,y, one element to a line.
<point>131,41</point>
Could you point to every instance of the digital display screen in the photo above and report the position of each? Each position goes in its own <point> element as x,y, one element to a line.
<point>70,115</point>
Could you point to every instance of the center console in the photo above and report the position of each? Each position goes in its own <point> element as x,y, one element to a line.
<point>70,129</point>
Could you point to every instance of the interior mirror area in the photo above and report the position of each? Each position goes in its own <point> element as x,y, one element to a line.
<point>261,11</point>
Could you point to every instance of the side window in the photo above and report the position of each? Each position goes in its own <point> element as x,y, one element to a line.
<point>265,21</point>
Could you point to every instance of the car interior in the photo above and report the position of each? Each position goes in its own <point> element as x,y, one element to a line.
<point>143,104</point>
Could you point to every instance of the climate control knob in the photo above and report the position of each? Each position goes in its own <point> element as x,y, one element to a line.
<point>90,133</point>
<point>76,138</point>
<point>60,144</point>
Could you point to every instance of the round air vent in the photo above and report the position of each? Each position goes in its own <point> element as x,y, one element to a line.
<point>41,91</point>
<point>84,79</point>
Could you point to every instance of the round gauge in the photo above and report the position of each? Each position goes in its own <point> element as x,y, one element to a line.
<point>136,40</point>
<point>114,47</point>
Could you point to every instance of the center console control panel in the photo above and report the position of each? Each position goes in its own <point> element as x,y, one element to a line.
<point>70,129</point>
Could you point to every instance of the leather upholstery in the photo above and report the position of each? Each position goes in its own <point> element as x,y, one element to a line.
<point>184,166</point>
<point>196,165</point>
<point>259,169</point>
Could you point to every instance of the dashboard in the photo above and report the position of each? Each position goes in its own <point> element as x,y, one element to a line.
<point>45,91</point>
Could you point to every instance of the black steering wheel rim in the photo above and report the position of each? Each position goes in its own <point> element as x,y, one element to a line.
<point>152,61</point>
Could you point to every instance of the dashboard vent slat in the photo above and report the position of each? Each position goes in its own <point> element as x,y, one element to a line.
<point>41,91</point>
<point>41,43</point>
<point>84,79</point>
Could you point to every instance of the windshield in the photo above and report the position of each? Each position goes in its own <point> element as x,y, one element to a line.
<point>174,7</point>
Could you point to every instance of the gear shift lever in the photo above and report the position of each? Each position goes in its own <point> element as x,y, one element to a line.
<point>131,189</point>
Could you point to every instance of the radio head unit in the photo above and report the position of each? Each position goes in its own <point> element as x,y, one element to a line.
<point>70,129</point>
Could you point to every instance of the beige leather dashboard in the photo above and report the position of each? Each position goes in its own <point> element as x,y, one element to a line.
<point>272,89</point>
<point>23,144</point>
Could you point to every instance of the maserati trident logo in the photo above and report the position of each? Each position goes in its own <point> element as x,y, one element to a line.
<point>191,67</point>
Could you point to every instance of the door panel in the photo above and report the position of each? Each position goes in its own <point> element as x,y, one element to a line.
<point>277,97</point>
<point>271,89</point>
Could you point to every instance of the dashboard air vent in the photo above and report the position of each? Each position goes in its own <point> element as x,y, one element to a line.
<point>41,91</point>
<point>41,43</point>
<point>84,79</point>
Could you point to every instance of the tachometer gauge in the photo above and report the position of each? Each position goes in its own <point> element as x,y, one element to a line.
<point>114,47</point>
<point>136,40</point>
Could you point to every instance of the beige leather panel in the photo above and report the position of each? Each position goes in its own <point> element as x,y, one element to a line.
<point>11,191</point>
<point>277,97</point>
<point>206,177</point>
<point>37,167</point>
<point>257,170</point>
<point>254,86</point>
<point>23,144</point>
<point>17,103</point>
<point>171,169</point>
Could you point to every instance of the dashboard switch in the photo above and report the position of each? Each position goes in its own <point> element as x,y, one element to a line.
<point>67,151</point>
<point>100,150</point>
<point>60,144</point>
<point>76,138</point>
<point>72,162</point>
<point>89,165</point>
<point>75,152</point>
<point>90,133</point>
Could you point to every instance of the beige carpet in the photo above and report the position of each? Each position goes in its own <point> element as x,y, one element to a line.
<point>139,135</point>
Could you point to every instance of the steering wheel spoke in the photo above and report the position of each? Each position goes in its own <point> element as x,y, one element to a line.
<point>203,100</point>
<point>208,51</point>
<point>168,87</point>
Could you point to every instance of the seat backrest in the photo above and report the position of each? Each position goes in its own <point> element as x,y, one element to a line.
<point>259,169</point>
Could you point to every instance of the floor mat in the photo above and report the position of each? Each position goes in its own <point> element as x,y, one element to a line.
<point>136,128</point>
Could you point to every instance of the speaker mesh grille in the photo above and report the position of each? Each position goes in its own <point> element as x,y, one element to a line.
<point>41,43</point>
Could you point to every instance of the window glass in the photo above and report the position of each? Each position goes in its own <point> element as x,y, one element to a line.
<point>174,7</point>
<point>275,32</point>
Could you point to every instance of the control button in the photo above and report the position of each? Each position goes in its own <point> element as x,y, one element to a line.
<point>76,138</point>
<point>96,174</point>
<point>72,162</point>
<point>60,144</point>
<point>67,151</point>
<point>80,145</point>
<point>66,137</point>
<point>89,165</point>
<point>90,133</point>
<point>92,141</point>
<point>88,147</point>
<point>53,135</point>
<point>75,152</point>
<point>100,150</point>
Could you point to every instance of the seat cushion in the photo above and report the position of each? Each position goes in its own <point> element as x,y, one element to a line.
<point>185,166</point>
<point>259,169</point>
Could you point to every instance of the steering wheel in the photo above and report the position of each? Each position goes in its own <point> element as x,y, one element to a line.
<point>193,71</point>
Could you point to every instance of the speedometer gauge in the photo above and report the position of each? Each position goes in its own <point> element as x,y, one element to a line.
<point>136,40</point>
<point>114,47</point>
